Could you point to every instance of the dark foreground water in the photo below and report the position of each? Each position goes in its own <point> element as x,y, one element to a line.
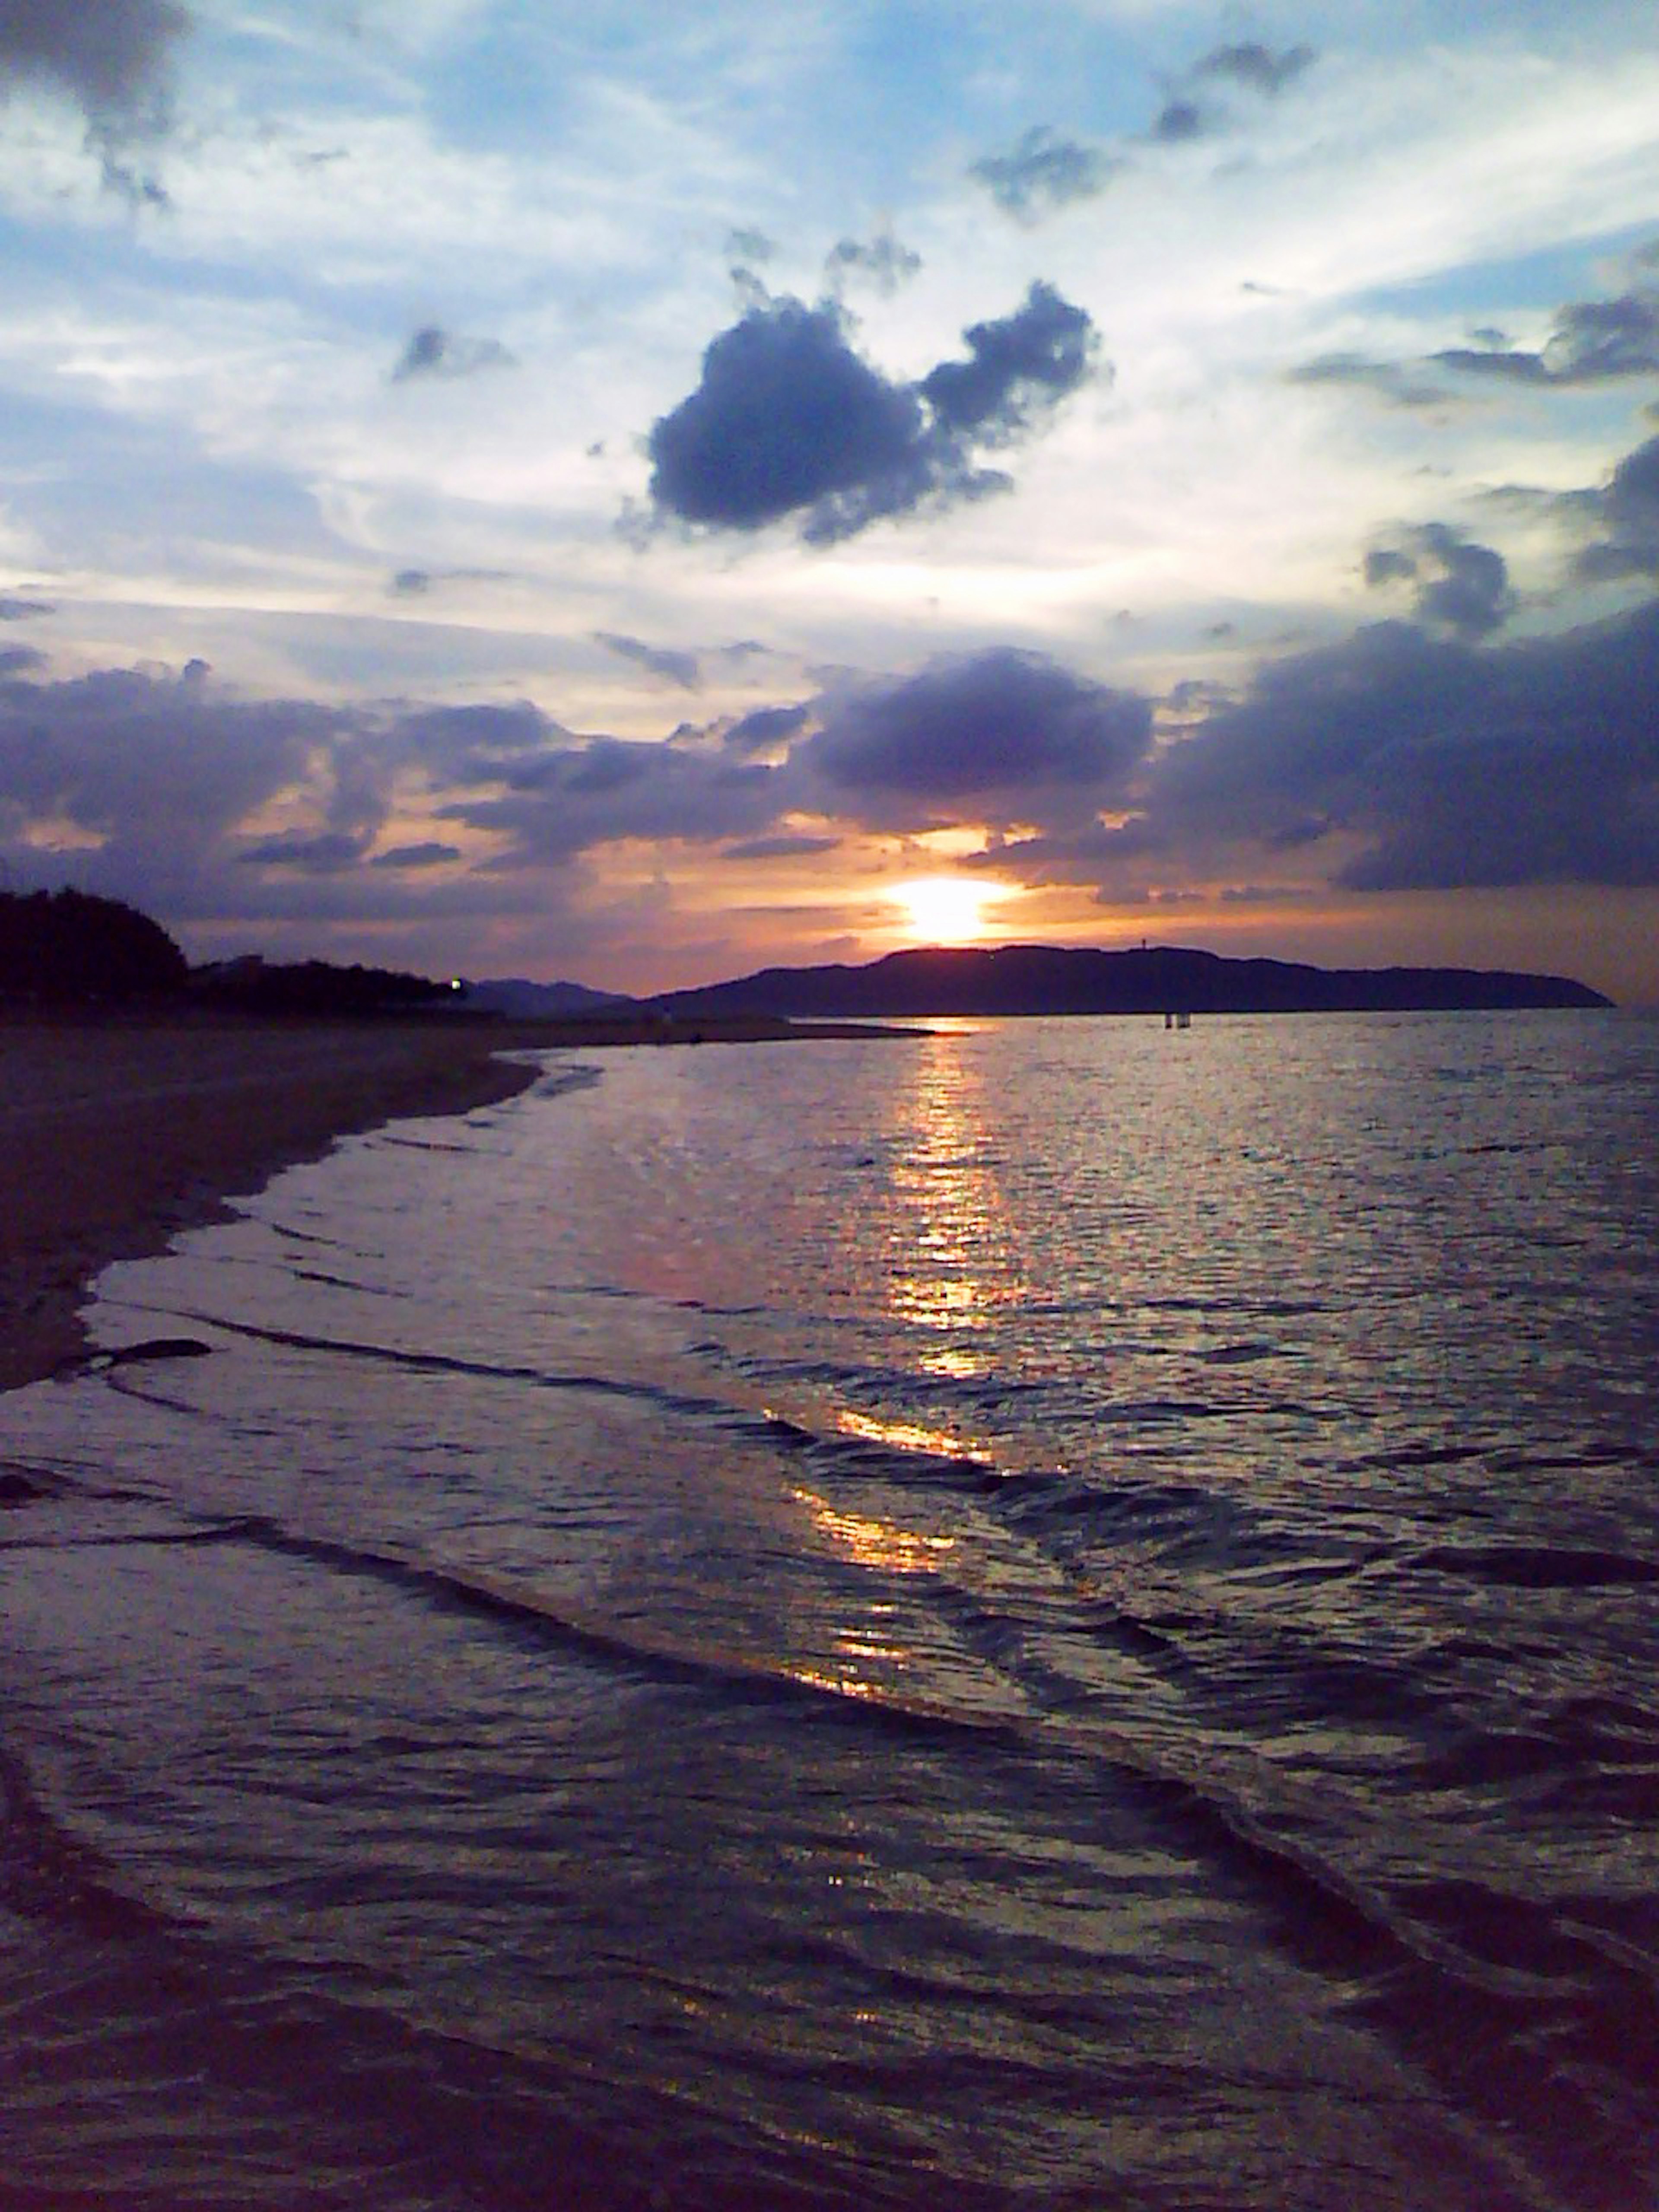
<point>1052,1615</point>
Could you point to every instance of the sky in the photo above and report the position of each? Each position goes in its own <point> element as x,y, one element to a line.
<point>634,494</point>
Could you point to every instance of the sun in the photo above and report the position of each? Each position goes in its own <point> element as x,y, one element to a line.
<point>947,910</point>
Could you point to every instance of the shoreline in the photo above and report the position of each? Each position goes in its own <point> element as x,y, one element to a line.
<point>119,1131</point>
<point>116,1136</point>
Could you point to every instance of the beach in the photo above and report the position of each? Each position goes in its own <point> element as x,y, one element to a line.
<point>114,1135</point>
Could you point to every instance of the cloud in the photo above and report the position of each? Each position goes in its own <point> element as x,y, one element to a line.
<point>1255,66</point>
<point>1180,120</point>
<point>110,57</point>
<point>787,417</point>
<point>674,666</point>
<point>765,730</point>
<point>149,771</point>
<point>1627,510</point>
<point>1004,735</point>
<point>420,583</point>
<point>886,264</point>
<point>325,854</point>
<point>1420,762</point>
<point>14,609</point>
<point>561,801</point>
<point>1027,359</point>
<point>1389,379</point>
<point>1460,585</point>
<point>790,420</point>
<point>749,248</point>
<point>428,854</point>
<point>1192,112</point>
<point>435,352</point>
<point>1494,361</point>
<point>786,846</point>
<point>1593,342</point>
<point>1044,172</point>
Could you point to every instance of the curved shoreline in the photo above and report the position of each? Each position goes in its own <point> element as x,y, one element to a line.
<point>118,1131</point>
<point>116,1135</point>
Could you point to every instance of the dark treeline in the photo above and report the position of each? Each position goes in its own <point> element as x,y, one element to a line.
<point>314,987</point>
<point>72,948</point>
<point>65,945</point>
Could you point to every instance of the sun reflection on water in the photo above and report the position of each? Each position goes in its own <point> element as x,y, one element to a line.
<point>906,1436</point>
<point>952,1258</point>
<point>873,1543</point>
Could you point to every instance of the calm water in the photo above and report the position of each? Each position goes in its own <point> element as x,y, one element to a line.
<point>1050,1615</point>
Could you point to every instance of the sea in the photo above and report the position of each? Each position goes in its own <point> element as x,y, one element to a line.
<point>1042,1615</point>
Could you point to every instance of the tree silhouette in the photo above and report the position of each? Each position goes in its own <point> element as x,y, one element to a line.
<point>69,945</point>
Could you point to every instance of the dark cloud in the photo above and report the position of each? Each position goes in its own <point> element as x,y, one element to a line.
<point>1460,585</point>
<point>1022,361</point>
<point>885,264</point>
<point>1255,66</point>
<point>1424,763</point>
<point>113,59</point>
<point>110,57</point>
<point>673,665</point>
<point>475,744</point>
<point>427,856</point>
<point>12,610</point>
<point>786,846</point>
<point>789,419</point>
<point>559,803</point>
<point>1593,342</point>
<point>1044,172</point>
<point>1007,735</point>
<point>1193,109</point>
<point>1627,509</point>
<point>150,772</point>
<point>1386,565</point>
<point>20,659</point>
<point>326,853</point>
<point>435,352</point>
<point>765,729</point>
<point>411,584</point>
<point>1178,121</point>
<point>1497,361</point>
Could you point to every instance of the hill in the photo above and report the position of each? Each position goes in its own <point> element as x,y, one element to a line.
<point>521,1001</point>
<point>1045,979</point>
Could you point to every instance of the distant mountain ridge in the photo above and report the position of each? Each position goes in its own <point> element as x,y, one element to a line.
<point>1046,979</point>
<point>521,1000</point>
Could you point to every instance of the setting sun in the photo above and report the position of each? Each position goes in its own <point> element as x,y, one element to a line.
<point>947,909</point>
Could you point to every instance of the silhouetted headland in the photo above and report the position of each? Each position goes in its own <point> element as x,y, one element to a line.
<point>1046,978</point>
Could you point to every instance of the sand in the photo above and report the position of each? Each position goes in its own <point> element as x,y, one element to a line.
<point>116,1133</point>
<point>115,1136</point>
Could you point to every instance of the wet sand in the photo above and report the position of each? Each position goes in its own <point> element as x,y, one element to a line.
<point>116,1134</point>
